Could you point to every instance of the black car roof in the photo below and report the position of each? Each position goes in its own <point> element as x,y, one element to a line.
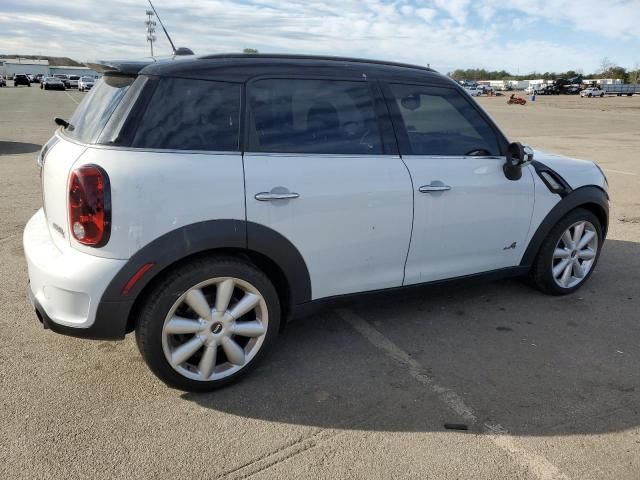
<point>242,67</point>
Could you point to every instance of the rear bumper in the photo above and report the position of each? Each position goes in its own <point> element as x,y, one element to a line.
<point>109,325</point>
<point>66,286</point>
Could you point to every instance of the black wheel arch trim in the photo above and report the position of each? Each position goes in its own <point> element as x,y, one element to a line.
<point>587,195</point>
<point>193,239</point>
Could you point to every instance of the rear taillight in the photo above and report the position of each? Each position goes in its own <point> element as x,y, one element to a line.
<point>90,205</point>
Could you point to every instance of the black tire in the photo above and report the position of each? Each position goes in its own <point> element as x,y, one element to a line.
<point>541,275</point>
<point>158,302</point>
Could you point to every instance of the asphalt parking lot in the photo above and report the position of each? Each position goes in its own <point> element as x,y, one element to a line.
<point>549,387</point>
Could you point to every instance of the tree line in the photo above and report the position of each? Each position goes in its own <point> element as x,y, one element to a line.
<point>608,69</point>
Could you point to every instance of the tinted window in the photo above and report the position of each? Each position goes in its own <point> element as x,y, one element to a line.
<point>96,108</point>
<point>441,121</point>
<point>312,116</point>
<point>191,115</point>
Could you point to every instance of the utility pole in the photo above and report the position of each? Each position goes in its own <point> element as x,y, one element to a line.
<point>151,29</point>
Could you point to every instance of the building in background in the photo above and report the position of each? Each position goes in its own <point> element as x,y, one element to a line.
<point>11,66</point>
<point>79,71</point>
<point>606,81</point>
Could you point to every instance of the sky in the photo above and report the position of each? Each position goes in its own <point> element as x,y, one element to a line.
<point>519,36</point>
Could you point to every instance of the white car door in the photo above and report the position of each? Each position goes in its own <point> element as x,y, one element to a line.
<point>316,172</point>
<point>469,218</point>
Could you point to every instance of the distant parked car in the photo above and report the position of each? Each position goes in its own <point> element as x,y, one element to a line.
<point>21,79</point>
<point>572,90</point>
<point>85,83</point>
<point>52,83</point>
<point>549,90</point>
<point>38,78</point>
<point>534,89</point>
<point>473,91</point>
<point>592,92</point>
<point>73,81</point>
<point>64,78</point>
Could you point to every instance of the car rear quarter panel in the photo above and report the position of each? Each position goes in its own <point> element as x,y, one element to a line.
<point>155,192</point>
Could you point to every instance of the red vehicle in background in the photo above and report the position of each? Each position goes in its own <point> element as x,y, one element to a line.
<point>513,100</point>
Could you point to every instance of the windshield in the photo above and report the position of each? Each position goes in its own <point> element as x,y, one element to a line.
<point>87,79</point>
<point>94,111</point>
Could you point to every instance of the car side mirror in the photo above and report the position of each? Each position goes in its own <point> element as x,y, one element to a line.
<point>518,156</point>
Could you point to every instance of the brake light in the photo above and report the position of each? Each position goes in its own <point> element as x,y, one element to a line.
<point>90,205</point>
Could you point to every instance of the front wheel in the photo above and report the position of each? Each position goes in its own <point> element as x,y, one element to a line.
<point>208,323</point>
<point>569,254</point>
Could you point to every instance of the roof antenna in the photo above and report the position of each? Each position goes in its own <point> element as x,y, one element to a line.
<point>179,51</point>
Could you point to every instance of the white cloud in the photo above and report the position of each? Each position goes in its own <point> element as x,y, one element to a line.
<point>457,9</point>
<point>427,14</point>
<point>612,18</point>
<point>447,34</point>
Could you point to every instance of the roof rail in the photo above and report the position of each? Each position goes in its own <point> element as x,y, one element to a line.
<point>314,57</point>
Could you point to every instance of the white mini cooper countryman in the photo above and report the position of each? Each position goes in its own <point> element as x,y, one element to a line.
<point>199,202</point>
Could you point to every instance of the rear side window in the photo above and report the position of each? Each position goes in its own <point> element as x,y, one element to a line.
<point>441,121</point>
<point>96,108</point>
<point>312,116</point>
<point>191,115</point>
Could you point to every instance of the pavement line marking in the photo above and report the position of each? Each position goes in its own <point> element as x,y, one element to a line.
<point>620,171</point>
<point>75,101</point>
<point>538,465</point>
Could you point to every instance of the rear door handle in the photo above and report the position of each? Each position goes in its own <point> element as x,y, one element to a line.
<point>434,188</point>
<point>270,196</point>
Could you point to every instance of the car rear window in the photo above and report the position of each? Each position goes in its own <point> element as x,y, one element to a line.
<point>96,108</point>
<point>186,114</point>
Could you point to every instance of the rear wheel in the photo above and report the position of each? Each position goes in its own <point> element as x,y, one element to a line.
<point>569,254</point>
<point>208,323</point>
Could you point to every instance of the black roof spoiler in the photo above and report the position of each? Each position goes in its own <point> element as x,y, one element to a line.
<point>124,67</point>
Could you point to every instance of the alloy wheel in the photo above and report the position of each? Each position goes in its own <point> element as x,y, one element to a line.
<point>215,328</point>
<point>575,254</point>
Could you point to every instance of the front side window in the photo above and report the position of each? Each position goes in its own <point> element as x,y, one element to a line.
<point>312,116</point>
<point>188,114</point>
<point>440,121</point>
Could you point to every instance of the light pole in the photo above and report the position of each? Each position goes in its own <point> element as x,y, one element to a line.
<point>151,29</point>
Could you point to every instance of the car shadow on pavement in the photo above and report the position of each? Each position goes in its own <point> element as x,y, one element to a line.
<point>536,364</point>
<point>17,148</point>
